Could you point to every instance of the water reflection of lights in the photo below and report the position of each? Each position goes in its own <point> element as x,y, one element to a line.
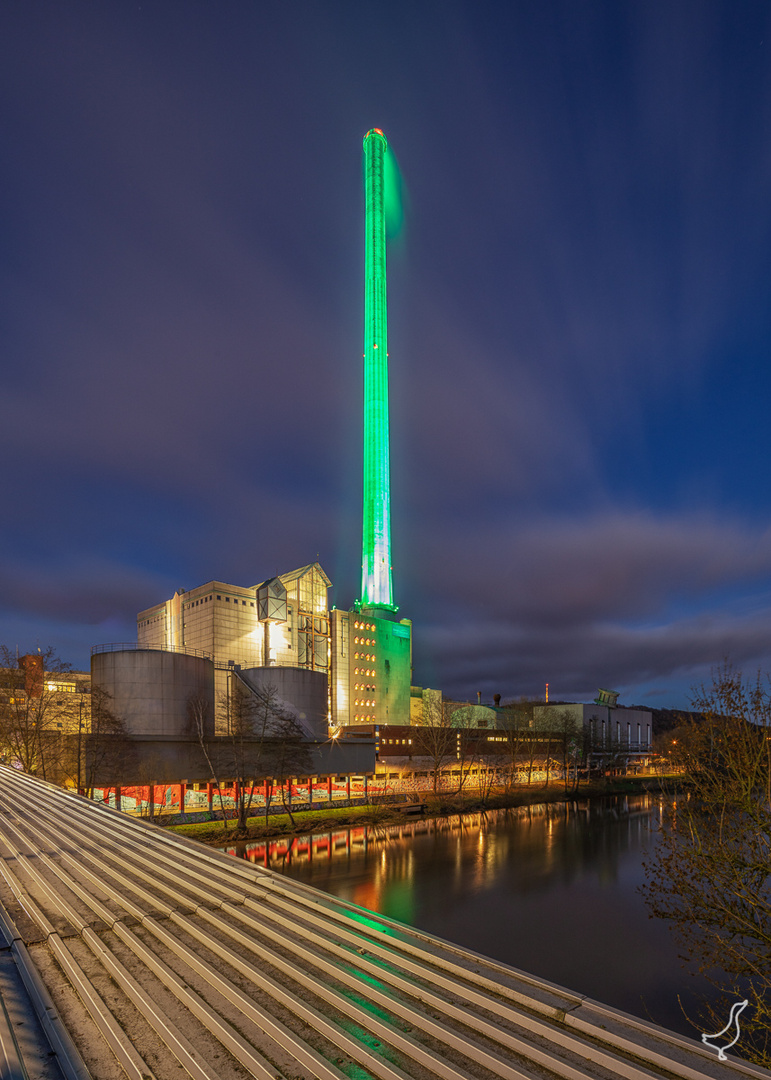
<point>397,858</point>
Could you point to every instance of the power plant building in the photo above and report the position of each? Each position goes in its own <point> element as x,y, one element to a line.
<point>286,622</point>
<point>280,622</point>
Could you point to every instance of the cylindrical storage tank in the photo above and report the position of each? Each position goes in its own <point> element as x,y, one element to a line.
<point>155,692</point>
<point>302,691</point>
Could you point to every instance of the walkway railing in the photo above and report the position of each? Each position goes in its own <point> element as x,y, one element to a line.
<point>135,646</point>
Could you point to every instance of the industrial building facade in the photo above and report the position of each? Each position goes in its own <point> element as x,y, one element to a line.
<point>286,622</point>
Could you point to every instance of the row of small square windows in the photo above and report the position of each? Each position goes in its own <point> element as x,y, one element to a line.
<point>364,717</point>
<point>206,599</point>
<point>195,603</point>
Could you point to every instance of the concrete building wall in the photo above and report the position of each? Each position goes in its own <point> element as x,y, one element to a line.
<point>552,717</point>
<point>152,626</point>
<point>149,689</point>
<point>340,675</point>
<point>622,728</point>
<point>426,705</point>
<point>462,714</point>
<point>301,692</point>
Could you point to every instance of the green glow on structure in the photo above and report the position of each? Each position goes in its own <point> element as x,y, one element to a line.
<point>376,582</point>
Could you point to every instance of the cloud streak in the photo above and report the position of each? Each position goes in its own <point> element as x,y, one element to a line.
<point>613,599</point>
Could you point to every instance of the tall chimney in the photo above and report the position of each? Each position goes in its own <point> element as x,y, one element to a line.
<point>376,581</point>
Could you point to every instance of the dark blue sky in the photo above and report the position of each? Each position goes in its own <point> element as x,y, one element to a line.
<point>579,323</point>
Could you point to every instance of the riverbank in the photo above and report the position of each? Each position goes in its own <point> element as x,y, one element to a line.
<point>444,805</point>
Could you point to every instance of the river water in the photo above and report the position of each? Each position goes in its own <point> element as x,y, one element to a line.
<point>552,889</point>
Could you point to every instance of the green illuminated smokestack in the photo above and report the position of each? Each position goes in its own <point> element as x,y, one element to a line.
<point>376,584</point>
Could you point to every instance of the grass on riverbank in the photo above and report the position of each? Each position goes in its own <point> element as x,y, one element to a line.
<point>314,821</point>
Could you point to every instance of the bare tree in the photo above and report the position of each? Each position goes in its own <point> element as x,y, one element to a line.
<point>200,723</point>
<point>288,757</point>
<point>467,753</point>
<point>37,707</point>
<point>517,721</point>
<point>107,755</point>
<point>244,730</point>
<point>436,739</point>
<point>710,871</point>
<point>266,740</point>
<point>487,764</point>
<point>572,741</point>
